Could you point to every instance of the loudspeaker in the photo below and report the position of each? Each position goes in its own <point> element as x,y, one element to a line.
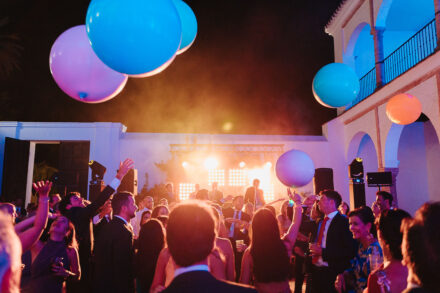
<point>323,179</point>
<point>379,179</point>
<point>357,194</point>
<point>130,182</point>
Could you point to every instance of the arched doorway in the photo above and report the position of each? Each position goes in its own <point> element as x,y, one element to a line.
<point>362,146</point>
<point>415,150</point>
<point>359,53</point>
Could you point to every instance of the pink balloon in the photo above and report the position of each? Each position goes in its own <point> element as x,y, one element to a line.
<point>79,72</point>
<point>295,168</point>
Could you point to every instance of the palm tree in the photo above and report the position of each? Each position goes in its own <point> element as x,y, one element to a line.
<point>10,50</point>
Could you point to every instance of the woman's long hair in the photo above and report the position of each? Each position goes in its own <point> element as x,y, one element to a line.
<point>150,243</point>
<point>269,254</point>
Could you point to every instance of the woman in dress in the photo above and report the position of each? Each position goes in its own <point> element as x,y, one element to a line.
<point>362,227</point>
<point>392,275</point>
<point>56,260</point>
<point>150,242</point>
<point>266,261</point>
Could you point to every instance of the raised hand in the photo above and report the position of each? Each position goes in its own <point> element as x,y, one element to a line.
<point>295,197</point>
<point>42,188</point>
<point>124,167</point>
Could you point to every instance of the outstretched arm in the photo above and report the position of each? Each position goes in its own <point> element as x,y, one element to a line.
<point>124,167</point>
<point>31,235</point>
<point>292,233</point>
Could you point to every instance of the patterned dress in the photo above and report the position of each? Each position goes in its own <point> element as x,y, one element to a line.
<point>361,267</point>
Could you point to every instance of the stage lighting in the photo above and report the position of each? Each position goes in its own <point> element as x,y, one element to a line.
<point>242,164</point>
<point>216,175</point>
<point>237,177</point>
<point>211,163</point>
<point>185,164</point>
<point>185,189</point>
<point>268,165</point>
<point>98,170</point>
<point>356,169</point>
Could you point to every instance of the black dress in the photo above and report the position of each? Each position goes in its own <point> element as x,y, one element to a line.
<point>43,278</point>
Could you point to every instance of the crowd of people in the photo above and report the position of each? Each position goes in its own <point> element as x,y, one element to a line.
<point>215,243</point>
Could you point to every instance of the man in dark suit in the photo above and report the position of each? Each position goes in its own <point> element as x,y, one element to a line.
<point>334,246</point>
<point>216,195</point>
<point>72,206</point>
<point>190,237</point>
<point>237,223</point>
<point>254,195</point>
<point>113,260</point>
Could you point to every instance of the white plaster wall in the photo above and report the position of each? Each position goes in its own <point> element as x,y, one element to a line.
<point>433,161</point>
<point>103,137</point>
<point>360,16</point>
<point>412,182</point>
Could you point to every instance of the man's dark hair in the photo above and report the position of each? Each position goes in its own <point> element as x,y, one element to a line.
<point>190,233</point>
<point>333,195</point>
<point>386,196</point>
<point>388,224</point>
<point>65,201</point>
<point>237,197</point>
<point>7,208</point>
<point>120,199</point>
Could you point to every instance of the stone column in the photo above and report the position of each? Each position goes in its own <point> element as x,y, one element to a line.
<point>378,54</point>
<point>437,21</point>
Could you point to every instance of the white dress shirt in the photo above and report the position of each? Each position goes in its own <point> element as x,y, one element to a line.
<point>321,262</point>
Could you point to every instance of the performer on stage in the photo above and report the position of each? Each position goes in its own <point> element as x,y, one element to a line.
<point>255,195</point>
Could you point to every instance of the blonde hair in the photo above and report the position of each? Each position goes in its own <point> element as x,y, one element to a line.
<point>10,255</point>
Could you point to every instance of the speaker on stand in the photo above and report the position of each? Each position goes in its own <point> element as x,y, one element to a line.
<point>357,185</point>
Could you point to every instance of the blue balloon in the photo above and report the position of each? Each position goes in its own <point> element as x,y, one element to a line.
<point>189,25</point>
<point>295,168</point>
<point>134,36</point>
<point>335,85</point>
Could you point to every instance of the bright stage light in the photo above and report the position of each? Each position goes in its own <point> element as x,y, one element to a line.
<point>242,164</point>
<point>216,175</point>
<point>185,189</point>
<point>264,175</point>
<point>185,164</point>
<point>237,177</point>
<point>268,165</point>
<point>211,163</point>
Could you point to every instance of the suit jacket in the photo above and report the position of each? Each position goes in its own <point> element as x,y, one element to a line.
<point>229,213</point>
<point>250,195</point>
<point>340,246</point>
<point>82,220</point>
<point>202,282</point>
<point>113,259</point>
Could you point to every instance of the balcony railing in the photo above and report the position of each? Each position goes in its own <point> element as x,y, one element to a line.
<point>367,87</point>
<point>413,51</point>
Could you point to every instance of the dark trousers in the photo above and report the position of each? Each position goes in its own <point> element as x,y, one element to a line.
<point>322,280</point>
<point>298,273</point>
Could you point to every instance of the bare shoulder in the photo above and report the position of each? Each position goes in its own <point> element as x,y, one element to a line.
<point>223,243</point>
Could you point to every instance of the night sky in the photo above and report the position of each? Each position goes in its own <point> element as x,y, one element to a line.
<point>251,66</point>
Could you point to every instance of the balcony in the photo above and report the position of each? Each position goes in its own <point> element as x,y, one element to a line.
<point>416,49</point>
